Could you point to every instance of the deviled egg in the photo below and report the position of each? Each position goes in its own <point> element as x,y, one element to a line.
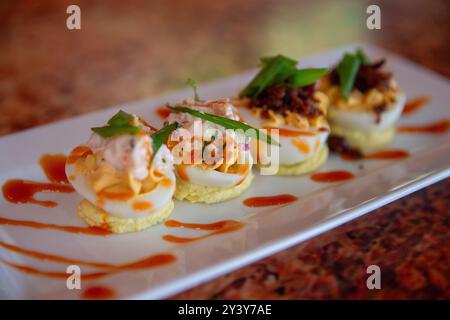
<point>283,97</point>
<point>365,103</point>
<point>126,186</point>
<point>212,164</point>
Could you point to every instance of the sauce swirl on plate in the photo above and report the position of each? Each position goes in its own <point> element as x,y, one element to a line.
<point>332,176</point>
<point>270,200</point>
<point>216,228</point>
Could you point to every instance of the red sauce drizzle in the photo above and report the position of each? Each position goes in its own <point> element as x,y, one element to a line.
<point>148,262</point>
<point>163,112</point>
<point>270,200</point>
<point>413,105</point>
<point>387,155</point>
<point>434,128</point>
<point>379,155</point>
<point>98,293</point>
<point>94,231</point>
<point>332,176</point>
<point>51,274</point>
<point>219,227</point>
<point>23,191</point>
<point>54,258</point>
<point>53,166</point>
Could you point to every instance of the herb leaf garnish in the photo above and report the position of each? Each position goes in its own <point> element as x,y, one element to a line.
<point>120,123</point>
<point>273,70</point>
<point>362,56</point>
<point>160,137</point>
<point>281,69</point>
<point>249,131</point>
<point>304,77</point>
<point>348,69</point>
<point>193,85</point>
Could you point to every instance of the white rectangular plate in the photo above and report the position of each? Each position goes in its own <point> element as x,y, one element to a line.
<point>267,230</point>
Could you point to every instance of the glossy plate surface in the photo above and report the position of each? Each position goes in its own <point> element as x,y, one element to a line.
<point>266,230</point>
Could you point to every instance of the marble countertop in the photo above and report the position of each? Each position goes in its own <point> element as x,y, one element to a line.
<point>129,50</point>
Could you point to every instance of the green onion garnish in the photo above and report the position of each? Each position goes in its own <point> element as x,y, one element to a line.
<point>160,137</point>
<point>273,70</point>
<point>249,131</point>
<point>362,56</point>
<point>348,69</point>
<point>305,77</point>
<point>277,70</point>
<point>120,123</point>
<point>193,85</point>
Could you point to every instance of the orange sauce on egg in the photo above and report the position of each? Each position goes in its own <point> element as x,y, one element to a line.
<point>181,172</point>
<point>166,182</point>
<point>283,132</point>
<point>142,206</point>
<point>332,176</point>
<point>115,196</point>
<point>163,112</point>
<point>301,145</point>
<point>270,200</point>
<point>77,153</point>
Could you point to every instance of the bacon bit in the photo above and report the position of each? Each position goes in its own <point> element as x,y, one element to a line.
<point>340,146</point>
<point>281,98</point>
<point>369,76</point>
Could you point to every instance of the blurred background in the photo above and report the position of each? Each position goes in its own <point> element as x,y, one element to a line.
<point>128,50</point>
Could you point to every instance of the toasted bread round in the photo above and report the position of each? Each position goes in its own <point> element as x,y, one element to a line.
<point>197,193</point>
<point>365,141</point>
<point>306,166</point>
<point>94,216</point>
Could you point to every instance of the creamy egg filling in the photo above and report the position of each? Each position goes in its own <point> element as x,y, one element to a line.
<point>121,176</point>
<point>373,110</point>
<point>216,157</point>
<point>300,138</point>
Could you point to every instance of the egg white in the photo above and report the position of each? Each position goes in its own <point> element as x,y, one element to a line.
<point>213,178</point>
<point>289,153</point>
<point>158,197</point>
<point>365,120</point>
